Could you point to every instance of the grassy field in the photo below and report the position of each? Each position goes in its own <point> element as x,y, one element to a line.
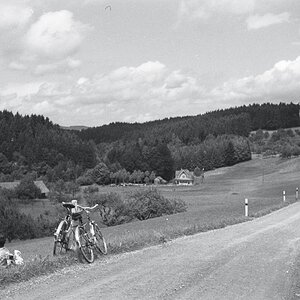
<point>217,202</point>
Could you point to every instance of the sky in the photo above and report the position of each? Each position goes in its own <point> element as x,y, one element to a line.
<point>93,62</point>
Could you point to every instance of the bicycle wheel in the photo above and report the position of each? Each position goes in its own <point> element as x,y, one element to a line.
<point>100,242</point>
<point>85,246</point>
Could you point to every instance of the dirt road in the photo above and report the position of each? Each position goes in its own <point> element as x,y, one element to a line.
<point>252,260</point>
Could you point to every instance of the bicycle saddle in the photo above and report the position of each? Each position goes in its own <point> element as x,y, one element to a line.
<point>68,205</point>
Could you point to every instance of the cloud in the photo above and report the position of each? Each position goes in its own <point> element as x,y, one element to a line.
<point>55,35</point>
<point>14,16</point>
<point>148,91</point>
<point>258,21</point>
<point>15,65</point>
<point>280,83</point>
<point>60,66</point>
<point>203,10</point>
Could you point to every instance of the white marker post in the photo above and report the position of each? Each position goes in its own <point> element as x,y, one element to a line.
<point>297,193</point>
<point>246,207</point>
<point>283,194</point>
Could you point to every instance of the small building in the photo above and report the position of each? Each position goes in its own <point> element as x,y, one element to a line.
<point>159,180</point>
<point>184,177</point>
<point>38,183</point>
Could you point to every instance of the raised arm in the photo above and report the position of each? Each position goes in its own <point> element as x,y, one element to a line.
<point>88,207</point>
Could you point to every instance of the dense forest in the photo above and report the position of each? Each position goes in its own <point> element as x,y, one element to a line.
<point>123,152</point>
<point>194,129</point>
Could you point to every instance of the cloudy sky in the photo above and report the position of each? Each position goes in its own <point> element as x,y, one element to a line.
<point>92,62</point>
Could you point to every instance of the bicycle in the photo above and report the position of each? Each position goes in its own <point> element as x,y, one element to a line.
<point>60,236</point>
<point>88,241</point>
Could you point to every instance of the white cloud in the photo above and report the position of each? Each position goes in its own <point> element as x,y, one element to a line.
<point>258,21</point>
<point>141,93</point>
<point>60,66</point>
<point>147,92</point>
<point>55,35</point>
<point>15,65</point>
<point>282,82</point>
<point>203,10</point>
<point>14,16</point>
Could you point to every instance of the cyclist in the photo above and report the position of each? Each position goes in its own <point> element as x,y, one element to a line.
<point>76,211</point>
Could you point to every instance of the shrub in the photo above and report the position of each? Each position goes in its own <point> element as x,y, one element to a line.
<point>141,205</point>
<point>27,190</point>
<point>91,189</point>
<point>113,209</point>
<point>150,203</point>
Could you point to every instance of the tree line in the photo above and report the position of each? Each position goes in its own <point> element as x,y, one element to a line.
<point>121,152</point>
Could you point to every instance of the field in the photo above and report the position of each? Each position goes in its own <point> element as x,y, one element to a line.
<point>216,203</point>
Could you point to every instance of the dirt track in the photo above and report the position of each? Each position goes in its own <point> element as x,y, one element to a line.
<point>252,260</point>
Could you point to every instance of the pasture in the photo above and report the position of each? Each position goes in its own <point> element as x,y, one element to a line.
<point>216,203</point>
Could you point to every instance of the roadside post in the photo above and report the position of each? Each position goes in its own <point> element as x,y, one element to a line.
<point>246,207</point>
<point>297,193</point>
<point>283,195</point>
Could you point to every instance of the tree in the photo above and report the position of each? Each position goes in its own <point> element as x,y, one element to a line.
<point>101,174</point>
<point>230,154</point>
<point>27,189</point>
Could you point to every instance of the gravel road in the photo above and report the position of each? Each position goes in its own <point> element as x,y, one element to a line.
<point>252,260</point>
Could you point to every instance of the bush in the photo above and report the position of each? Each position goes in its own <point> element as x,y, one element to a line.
<point>150,203</point>
<point>91,189</point>
<point>141,205</point>
<point>113,209</point>
<point>27,190</point>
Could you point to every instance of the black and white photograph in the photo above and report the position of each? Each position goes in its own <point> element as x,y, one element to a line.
<point>150,149</point>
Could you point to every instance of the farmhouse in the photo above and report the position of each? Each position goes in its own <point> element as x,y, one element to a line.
<point>184,177</point>
<point>38,183</point>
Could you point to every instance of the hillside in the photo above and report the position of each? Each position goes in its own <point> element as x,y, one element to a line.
<point>190,129</point>
<point>119,152</point>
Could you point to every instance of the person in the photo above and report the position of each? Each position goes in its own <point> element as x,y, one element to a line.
<point>76,220</point>
<point>6,258</point>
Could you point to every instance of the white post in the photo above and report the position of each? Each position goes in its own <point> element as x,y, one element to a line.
<point>246,207</point>
<point>283,194</point>
<point>297,193</point>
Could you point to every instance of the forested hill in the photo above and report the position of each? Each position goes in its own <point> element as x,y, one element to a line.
<point>193,129</point>
<point>33,142</point>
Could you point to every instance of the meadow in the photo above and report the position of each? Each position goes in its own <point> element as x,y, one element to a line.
<point>218,202</point>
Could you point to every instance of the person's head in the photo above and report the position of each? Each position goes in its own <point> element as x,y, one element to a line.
<point>74,202</point>
<point>2,240</point>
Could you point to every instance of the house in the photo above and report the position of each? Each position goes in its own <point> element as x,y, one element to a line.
<point>184,177</point>
<point>41,185</point>
<point>38,183</point>
<point>159,180</point>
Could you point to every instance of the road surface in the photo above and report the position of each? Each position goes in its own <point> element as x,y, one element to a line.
<point>252,260</point>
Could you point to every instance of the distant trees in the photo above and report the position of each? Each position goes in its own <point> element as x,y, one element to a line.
<point>34,143</point>
<point>121,152</point>
<point>283,142</point>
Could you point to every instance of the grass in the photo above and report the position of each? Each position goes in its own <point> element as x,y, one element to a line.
<point>217,203</point>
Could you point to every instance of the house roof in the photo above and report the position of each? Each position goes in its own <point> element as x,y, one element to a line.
<point>12,185</point>
<point>9,185</point>
<point>41,185</point>
<point>187,173</point>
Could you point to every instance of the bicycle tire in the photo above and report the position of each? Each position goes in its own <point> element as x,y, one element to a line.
<point>100,242</point>
<point>85,246</point>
